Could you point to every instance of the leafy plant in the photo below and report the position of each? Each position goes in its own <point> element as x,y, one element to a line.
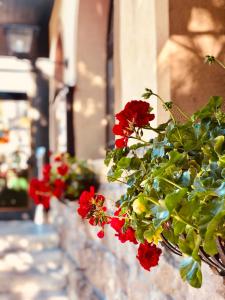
<point>65,178</point>
<point>175,183</point>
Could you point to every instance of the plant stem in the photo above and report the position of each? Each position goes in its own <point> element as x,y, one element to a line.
<point>123,182</point>
<point>163,103</point>
<point>171,182</point>
<point>219,63</point>
<point>181,112</point>
<point>170,111</point>
<point>139,139</point>
<point>110,177</point>
<point>153,129</point>
<point>179,218</point>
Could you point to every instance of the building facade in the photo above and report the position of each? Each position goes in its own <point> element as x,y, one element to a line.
<point>114,49</point>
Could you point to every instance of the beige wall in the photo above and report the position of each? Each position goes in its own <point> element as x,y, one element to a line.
<point>62,33</point>
<point>141,36</point>
<point>89,100</point>
<point>197,28</point>
<point>158,44</point>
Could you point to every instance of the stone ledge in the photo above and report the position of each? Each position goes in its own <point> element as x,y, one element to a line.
<point>25,235</point>
<point>112,269</point>
<point>21,261</point>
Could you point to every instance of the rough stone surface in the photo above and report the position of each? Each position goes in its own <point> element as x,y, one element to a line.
<point>107,270</point>
<point>25,235</point>
<point>32,266</point>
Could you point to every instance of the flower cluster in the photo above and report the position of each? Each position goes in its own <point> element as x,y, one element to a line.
<point>174,182</point>
<point>124,233</point>
<point>135,114</point>
<point>41,190</point>
<point>64,178</point>
<point>91,207</point>
<point>148,255</point>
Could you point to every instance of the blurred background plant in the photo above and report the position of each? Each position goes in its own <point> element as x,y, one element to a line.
<point>64,178</point>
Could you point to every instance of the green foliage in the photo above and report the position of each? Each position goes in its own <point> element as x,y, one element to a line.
<point>176,185</point>
<point>190,270</point>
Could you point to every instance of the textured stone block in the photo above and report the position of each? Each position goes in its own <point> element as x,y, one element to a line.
<point>107,269</point>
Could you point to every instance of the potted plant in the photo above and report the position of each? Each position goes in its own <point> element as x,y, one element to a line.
<point>64,178</point>
<point>175,186</point>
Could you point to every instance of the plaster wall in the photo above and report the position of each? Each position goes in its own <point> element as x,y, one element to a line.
<point>90,95</point>
<point>141,35</point>
<point>197,28</point>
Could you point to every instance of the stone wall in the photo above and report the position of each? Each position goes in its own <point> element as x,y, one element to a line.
<point>106,269</point>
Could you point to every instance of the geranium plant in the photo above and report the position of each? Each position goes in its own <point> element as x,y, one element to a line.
<point>64,178</point>
<point>175,186</point>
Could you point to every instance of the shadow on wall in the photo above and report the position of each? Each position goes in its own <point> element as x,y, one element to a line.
<point>89,104</point>
<point>197,28</point>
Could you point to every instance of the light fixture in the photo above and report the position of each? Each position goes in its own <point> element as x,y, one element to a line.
<point>20,38</point>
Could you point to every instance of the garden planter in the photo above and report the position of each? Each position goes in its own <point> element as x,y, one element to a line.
<point>175,186</point>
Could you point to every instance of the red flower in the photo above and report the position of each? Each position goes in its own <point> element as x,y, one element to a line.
<point>121,143</point>
<point>148,255</point>
<point>63,169</point>
<point>86,202</point>
<point>46,172</point>
<point>100,234</point>
<point>40,192</point>
<point>117,224</point>
<point>123,235</point>
<point>58,158</point>
<point>59,188</point>
<point>135,114</point>
<point>128,235</point>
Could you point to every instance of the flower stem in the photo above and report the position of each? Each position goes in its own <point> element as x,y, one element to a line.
<point>139,139</point>
<point>219,63</point>
<point>164,104</point>
<point>153,129</point>
<point>181,219</point>
<point>110,177</point>
<point>171,182</point>
<point>181,112</point>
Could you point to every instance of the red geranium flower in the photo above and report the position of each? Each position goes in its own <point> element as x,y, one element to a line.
<point>148,255</point>
<point>46,172</point>
<point>57,158</point>
<point>135,114</point>
<point>40,192</point>
<point>58,188</point>
<point>63,169</point>
<point>86,202</point>
<point>123,235</point>
<point>101,234</point>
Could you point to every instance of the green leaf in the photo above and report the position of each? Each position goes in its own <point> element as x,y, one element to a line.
<point>108,158</point>
<point>114,175</point>
<point>190,270</point>
<point>218,146</point>
<point>158,149</point>
<point>161,215</point>
<point>207,111</point>
<point>210,237</point>
<point>221,190</point>
<point>173,199</point>
<point>178,227</point>
<point>222,161</point>
<point>170,236</point>
<point>186,178</point>
<point>124,162</point>
<point>139,234</point>
<point>135,163</point>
